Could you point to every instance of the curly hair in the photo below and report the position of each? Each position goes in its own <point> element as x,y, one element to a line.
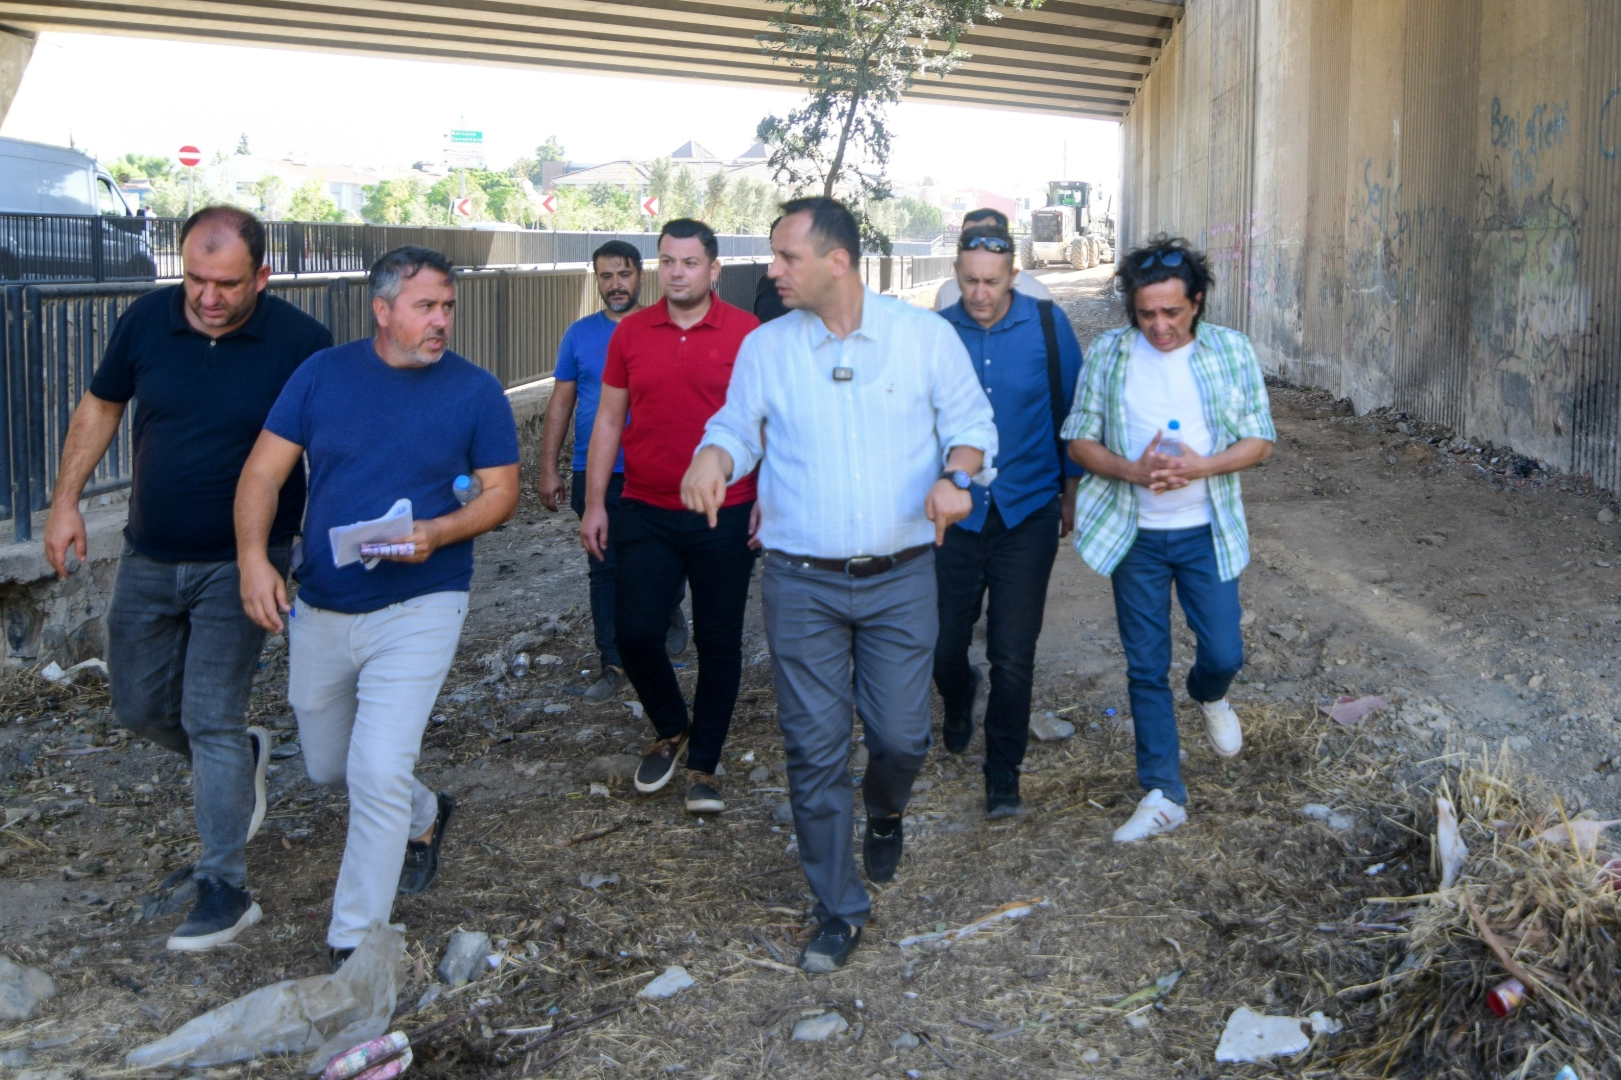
<point>1148,265</point>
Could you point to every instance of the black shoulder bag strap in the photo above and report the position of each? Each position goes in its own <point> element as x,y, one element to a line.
<point>1055,385</point>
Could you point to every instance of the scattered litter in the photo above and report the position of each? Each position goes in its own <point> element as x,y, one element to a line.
<point>1568,1073</point>
<point>597,881</point>
<point>1325,1025</point>
<point>821,1028</point>
<point>635,708</point>
<point>1583,831</point>
<point>1137,1021</point>
<point>1334,819</point>
<point>1253,1037</point>
<point>22,989</point>
<point>1448,844</point>
<point>599,789</point>
<point>463,956</point>
<point>546,658</point>
<point>1018,909</point>
<point>324,1013</point>
<point>674,980</point>
<point>360,1062</point>
<point>1375,870</point>
<point>1047,727</point>
<point>1505,997</point>
<point>1151,993</point>
<point>1349,710</point>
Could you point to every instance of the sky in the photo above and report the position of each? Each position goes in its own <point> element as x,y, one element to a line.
<point>111,95</point>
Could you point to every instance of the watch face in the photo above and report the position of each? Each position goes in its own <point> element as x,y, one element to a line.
<point>961,479</point>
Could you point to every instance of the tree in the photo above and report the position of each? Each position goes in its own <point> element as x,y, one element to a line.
<point>310,202</point>
<point>396,202</point>
<point>140,166</point>
<point>550,150</point>
<point>242,145</point>
<point>718,208</point>
<point>600,208</point>
<point>856,58</point>
<point>683,200</point>
<point>272,195</point>
<point>659,182</point>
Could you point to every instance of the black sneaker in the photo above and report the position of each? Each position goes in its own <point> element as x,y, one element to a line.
<point>703,793</point>
<point>335,958</point>
<point>881,850</point>
<point>606,686</point>
<point>830,948</point>
<point>221,913</point>
<point>679,636</point>
<point>958,730</point>
<point>259,739</point>
<point>1002,795</point>
<point>658,764</point>
<point>422,860</point>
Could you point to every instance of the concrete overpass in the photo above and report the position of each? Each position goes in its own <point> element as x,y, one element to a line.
<point>1082,58</point>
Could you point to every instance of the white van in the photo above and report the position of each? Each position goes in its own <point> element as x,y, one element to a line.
<point>38,180</point>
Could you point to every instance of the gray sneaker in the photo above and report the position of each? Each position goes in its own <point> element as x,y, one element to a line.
<point>606,686</point>
<point>679,636</point>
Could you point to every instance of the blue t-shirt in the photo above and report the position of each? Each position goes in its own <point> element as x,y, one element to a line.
<point>579,360</point>
<point>375,434</point>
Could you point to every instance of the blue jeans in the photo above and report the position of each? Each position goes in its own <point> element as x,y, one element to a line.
<point>1142,604</point>
<point>181,654</point>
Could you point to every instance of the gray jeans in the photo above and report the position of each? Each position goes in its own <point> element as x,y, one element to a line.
<point>181,657</point>
<point>820,623</point>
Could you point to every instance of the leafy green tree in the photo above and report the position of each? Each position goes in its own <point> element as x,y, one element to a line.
<point>310,202</point>
<point>242,145</point>
<point>660,179</point>
<point>168,198</point>
<point>718,209</point>
<point>271,194</point>
<point>600,208</point>
<point>396,202</point>
<point>550,150</point>
<point>140,166</point>
<point>683,201</point>
<point>856,58</point>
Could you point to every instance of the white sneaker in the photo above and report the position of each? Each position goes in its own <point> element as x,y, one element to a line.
<point>261,761</point>
<point>1221,724</point>
<point>1154,815</point>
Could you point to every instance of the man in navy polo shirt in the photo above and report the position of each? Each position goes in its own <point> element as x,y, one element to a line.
<point>398,416</point>
<point>205,360</point>
<point>1007,545</point>
<point>576,388</point>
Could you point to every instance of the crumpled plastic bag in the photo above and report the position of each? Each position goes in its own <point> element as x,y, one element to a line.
<point>324,1013</point>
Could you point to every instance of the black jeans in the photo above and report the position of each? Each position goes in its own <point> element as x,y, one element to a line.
<point>1014,565</point>
<point>600,572</point>
<point>656,549</point>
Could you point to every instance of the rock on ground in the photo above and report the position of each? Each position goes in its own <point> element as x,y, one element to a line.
<point>821,1028</point>
<point>464,956</point>
<point>674,980</point>
<point>22,989</point>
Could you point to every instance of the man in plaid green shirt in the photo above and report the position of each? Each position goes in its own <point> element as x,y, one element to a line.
<point>1167,413</point>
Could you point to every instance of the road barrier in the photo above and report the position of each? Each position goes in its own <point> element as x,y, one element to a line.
<point>508,321</point>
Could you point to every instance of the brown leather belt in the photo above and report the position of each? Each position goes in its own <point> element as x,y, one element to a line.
<point>862,566</point>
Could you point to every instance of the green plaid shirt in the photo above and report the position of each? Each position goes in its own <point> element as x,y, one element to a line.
<point>1235,407</point>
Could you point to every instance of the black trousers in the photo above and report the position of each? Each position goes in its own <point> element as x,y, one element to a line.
<point>656,549</point>
<point>1013,565</point>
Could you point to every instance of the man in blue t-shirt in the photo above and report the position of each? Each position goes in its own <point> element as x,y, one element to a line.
<point>395,417</point>
<point>617,269</point>
<point>204,361</point>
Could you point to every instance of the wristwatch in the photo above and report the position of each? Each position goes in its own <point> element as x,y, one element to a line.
<point>960,477</point>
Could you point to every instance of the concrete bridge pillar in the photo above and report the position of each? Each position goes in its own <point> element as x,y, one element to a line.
<point>16,46</point>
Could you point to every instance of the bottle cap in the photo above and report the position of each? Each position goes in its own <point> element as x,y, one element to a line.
<point>462,482</point>
<point>1175,425</point>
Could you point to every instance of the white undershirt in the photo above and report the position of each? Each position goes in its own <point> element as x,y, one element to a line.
<point>1160,387</point>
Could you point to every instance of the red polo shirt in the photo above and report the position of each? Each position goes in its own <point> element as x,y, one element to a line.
<point>677,380</point>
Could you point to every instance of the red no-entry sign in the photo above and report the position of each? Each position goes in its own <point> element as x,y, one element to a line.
<point>190,156</point>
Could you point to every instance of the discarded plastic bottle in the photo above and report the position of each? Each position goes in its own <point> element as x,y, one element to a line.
<point>467,488</point>
<point>356,1063</point>
<point>520,665</point>
<point>1170,441</point>
<point>1505,997</point>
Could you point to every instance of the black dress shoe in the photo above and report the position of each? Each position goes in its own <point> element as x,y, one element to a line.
<point>958,730</point>
<point>422,860</point>
<point>335,958</point>
<point>1002,795</point>
<point>881,850</point>
<point>830,948</point>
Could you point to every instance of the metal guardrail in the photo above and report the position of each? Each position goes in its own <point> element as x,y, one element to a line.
<point>509,321</point>
<point>60,247</point>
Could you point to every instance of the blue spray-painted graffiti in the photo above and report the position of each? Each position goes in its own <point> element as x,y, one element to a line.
<point>1609,142</point>
<point>1543,129</point>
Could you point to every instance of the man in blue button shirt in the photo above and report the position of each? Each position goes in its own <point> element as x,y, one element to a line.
<point>576,389</point>
<point>1007,545</point>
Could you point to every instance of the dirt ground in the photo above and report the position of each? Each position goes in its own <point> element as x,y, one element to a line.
<point>1472,589</point>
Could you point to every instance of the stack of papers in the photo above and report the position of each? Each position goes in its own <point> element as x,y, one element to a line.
<point>394,526</point>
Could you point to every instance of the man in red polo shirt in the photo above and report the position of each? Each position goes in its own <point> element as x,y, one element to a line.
<point>668,368</point>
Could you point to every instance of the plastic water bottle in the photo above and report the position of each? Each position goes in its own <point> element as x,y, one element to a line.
<point>467,488</point>
<point>1170,443</point>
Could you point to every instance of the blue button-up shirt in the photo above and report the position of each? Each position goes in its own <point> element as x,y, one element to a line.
<point>1011,361</point>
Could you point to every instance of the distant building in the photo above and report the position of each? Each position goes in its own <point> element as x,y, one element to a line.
<point>691,155</point>
<point>623,173</point>
<point>967,199</point>
<point>344,184</point>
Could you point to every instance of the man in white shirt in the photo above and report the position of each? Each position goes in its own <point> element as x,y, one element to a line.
<point>1024,282</point>
<point>850,404</point>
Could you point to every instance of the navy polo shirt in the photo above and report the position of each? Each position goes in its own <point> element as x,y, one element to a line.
<point>200,403</point>
<point>1011,361</point>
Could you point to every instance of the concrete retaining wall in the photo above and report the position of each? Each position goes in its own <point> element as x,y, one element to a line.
<point>1409,202</point>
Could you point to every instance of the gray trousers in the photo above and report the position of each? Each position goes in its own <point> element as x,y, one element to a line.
<point>181,654</point>
<point>818,623</point>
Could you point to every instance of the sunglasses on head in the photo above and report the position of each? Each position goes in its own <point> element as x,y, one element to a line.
<point>1168,259</point>
<point>994,244</point>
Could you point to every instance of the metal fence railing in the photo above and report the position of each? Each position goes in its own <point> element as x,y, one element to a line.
<point>60,247</point>
<point>509,321</point>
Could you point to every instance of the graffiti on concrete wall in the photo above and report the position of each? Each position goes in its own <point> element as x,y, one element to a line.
<point>1527,136</point>
<point>1609,125</point>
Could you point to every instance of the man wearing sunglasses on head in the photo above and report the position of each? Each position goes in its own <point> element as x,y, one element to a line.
<point>1170,410</point>
<point>1024,282</point>
<point>1028,360</point>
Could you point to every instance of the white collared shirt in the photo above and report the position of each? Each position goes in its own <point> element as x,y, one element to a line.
<point>846,464</point>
